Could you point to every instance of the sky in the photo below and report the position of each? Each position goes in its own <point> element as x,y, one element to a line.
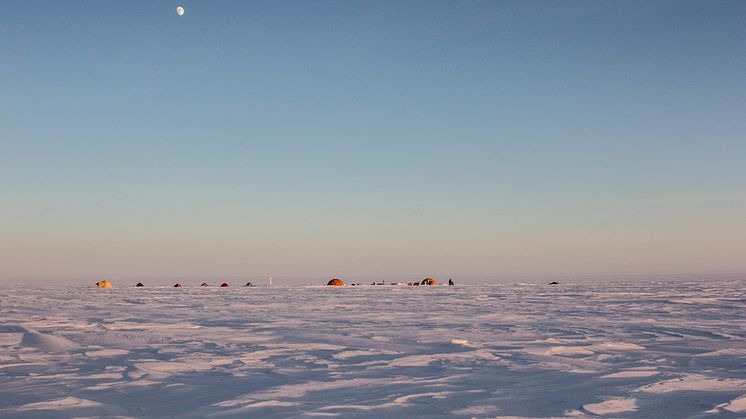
<point>371,139</point>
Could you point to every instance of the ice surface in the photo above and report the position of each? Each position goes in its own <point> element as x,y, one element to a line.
<point>59,404</point>
<point>737,406</point>
<point>612,406</point>
<point>47,343</point>
<point>623,349</point>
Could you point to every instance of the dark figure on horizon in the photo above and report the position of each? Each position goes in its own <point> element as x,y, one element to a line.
<point>249,284</point>
<point>554,283</point>
<point>139,284</point>
<point>450,282</point>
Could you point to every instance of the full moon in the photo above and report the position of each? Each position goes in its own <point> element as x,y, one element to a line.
<point>180,11</point>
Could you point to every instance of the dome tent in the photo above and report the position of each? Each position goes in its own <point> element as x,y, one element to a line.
<point>336,283</point>
<point>429,281</point>
<point>139,284</point>
<point>103,284</point>
<point>205,284</point>
<point>177,285</point>
<point>225,285</point>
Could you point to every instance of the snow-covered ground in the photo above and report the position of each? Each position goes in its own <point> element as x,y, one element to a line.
<point>652,350</point>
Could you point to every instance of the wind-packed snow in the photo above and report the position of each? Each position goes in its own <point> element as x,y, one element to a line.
<point>637,349</point>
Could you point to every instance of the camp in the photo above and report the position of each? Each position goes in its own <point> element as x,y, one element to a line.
<point>103,284</point>
<point>336,283</point>
<point>225,285</point>
<point>139,284</point>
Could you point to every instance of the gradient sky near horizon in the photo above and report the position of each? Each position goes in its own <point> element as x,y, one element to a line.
<point>307,139</point>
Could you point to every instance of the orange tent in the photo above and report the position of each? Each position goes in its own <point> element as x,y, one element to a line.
<point>336,283</point>
<point>429,281</point>
<point>103,284</point>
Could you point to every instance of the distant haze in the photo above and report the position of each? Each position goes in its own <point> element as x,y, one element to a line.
<point>379,139</point>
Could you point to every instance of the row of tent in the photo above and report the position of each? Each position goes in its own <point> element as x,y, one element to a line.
<point>107,284</point>
<point>336,282</point>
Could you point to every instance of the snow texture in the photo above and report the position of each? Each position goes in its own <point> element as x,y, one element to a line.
<point>623,349</point>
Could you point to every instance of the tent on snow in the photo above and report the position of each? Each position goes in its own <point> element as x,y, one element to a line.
<point>429,281</point>
<point>103,284</point>
<point>139,284</point>
<point>177,285</point>
<point>336,283</point>
<point>225,285</point>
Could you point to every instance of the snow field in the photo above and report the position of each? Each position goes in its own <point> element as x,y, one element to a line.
<point>663,350</point>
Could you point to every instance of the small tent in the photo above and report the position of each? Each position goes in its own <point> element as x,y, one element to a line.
<point>336,283</point>
<point>428,281</point>
<point>249,284</point>
<point>204,284</point>
<point>103,284</point>
<point>225,285</point>
<point>177,285</point>
<point>139,284</point>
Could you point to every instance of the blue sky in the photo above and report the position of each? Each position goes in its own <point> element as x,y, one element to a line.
<point>371,139</point>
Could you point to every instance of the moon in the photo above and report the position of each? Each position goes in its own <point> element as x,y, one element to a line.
<point>180,11</point>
